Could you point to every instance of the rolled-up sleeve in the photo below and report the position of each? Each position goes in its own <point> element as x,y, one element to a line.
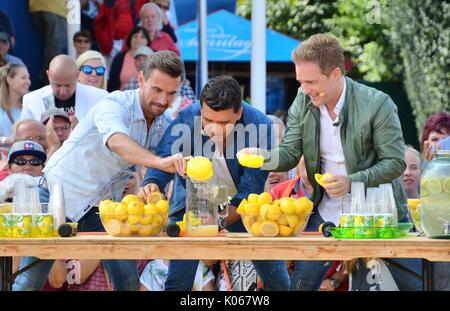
<point>111,117</point>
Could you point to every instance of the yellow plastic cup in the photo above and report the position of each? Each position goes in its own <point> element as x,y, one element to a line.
<point>199,169</point>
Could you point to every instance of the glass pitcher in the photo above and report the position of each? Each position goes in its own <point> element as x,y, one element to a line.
<point>203,201</point>
<point>435,196</point>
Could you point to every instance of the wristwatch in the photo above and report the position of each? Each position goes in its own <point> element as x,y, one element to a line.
<point>335,283</point>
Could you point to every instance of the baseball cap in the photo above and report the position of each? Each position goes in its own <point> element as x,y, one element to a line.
<point>143,50</point>
<point>55,112</point>
<point>26,147</point>
<point>4,36</point>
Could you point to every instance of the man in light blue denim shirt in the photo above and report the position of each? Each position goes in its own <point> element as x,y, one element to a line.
<point>217,128</point>
<point>114,135</point>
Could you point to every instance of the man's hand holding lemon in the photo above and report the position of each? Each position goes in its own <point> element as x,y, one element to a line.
<point>337,185</point>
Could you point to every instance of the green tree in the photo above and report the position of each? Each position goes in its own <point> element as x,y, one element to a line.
<point>297,18</point>
<point>362,27</point>
<point>421,32</point>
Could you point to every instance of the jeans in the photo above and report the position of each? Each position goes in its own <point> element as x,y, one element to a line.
<point>122,273</point>
<point>181,274</point>
<point>309,274</point>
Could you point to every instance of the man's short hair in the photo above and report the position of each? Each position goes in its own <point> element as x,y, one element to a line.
<point>322,49</point>
<point>222,93</point>
<point>83,33</point>
<point>166,61</point>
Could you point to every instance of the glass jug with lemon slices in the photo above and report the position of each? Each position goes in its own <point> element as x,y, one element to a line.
<point>435,196</point>
<point>204,197</point>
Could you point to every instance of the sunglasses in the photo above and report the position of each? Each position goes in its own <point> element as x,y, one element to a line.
<point>22,162</point>
<point>86,69</point>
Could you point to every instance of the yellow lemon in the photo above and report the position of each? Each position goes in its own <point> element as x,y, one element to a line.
<point>156,231</point>
<point>255,229</point>
<point>199,168</point>
<point>145,230</point>
<point>252,209</point>
<point>265,198</point>
<point>251,160</point>
<point>263,210</point>
<point>241,207</point>
<point>287,207</point>
<point>446,185</point>
<point>129,198</point>
<point>107,209</point>
<point>125,230</point>
<point>103,205</point>
<point>114,226</point>
<point>134,228</point>
<point>155,197</point>
<point>292,220</point>
<point>253,198</point>
<point>433,185</point>
<point>248,221</point>
<point>274,212</point>
<point>303,205</point>
<point>134,219</point>
<point>157,220</point>
<point>135,208</point>
<point>268,228</point>
<point>163,207</point>
<point>120,212</point>
<point>147,220</point>
<point>413,203</point>
<point>150,209</point>
<point>319,178</point>
<point>285,230</point>
<point>282,220</point>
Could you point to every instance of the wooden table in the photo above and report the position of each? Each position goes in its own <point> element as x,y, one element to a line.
<point>230,246</point>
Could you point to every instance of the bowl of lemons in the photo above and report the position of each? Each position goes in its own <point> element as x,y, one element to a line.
<point>264,217</point>
<point>132,217</point>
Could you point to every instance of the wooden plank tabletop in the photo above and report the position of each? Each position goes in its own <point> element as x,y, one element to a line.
<point>229,246</point>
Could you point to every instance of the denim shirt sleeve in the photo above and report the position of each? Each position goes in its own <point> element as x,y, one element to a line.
<point>163,150</point>
<point>110,117</point>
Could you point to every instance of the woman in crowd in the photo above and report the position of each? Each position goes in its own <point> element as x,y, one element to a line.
<point>411,175</point>
<point>14,83</point>
<point>436,128</point>
<point>123,67</point>
<point>91,67</point>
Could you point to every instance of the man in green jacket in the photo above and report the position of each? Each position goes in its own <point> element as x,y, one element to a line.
<point>340,127</point>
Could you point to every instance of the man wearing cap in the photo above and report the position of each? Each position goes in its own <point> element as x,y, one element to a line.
<point>64,92</point>
<point>140,56</point>
<point>5,46</point>
<point>57,122</point>
<point>26,157</point>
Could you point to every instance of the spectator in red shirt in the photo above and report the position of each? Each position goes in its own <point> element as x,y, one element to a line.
<point>114,21</point>
<point>151,19</point>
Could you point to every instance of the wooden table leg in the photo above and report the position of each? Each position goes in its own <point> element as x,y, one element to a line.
<point>428,275</point>
<point>5,273</point>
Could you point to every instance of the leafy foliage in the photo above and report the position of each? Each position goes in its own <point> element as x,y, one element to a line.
<point>421,32</point>
<point>297,18</point>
